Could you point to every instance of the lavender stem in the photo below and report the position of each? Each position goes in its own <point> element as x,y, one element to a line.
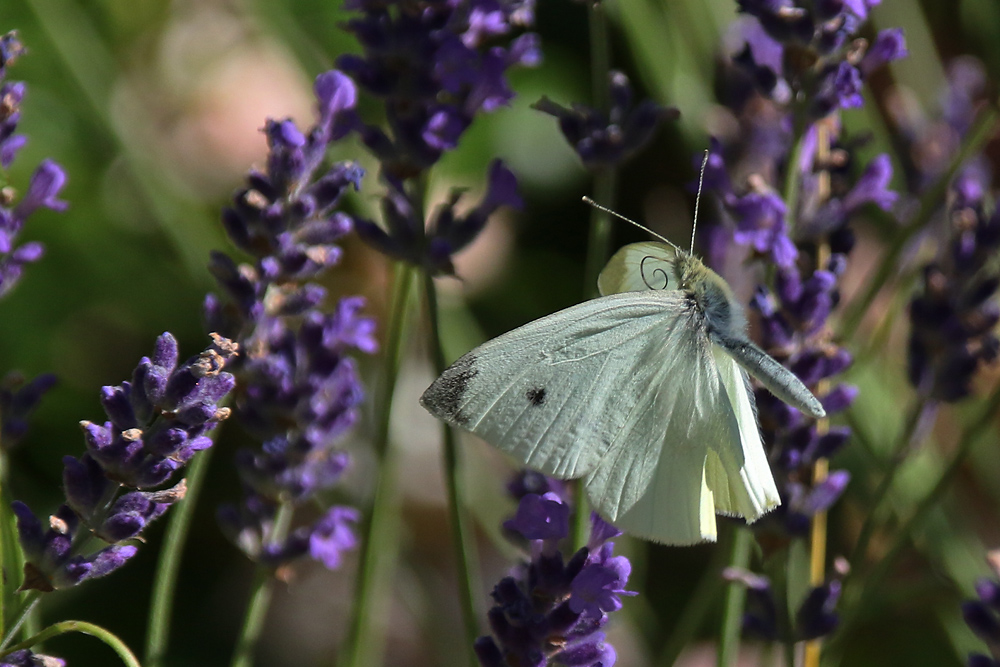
<point>168,565</point>
<point>83,627</point>
<point>28,603</point>
<point>260,597</point>
<point>903,446</point>
<point>599,239</point>
<point>873,582</point>
<point>736,595</point>
<point>461,538</point>
<point>361,647</point>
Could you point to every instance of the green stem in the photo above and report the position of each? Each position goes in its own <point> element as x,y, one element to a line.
<point>260,598</point>
<point>698,603</point>
<point>7,559</point>
<point>784,589</point>
<point>899,454</point>
<point>31,599</point>
<point>63,627</point>
<point>736,596</point>
<point>791,194</point>
<point>461,538</point>
<point>872,584</point>
<point>930,202</point>
<point>165,579</point>
<point>378,550</point>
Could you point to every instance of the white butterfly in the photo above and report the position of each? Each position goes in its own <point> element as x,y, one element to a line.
<point>642,392</point>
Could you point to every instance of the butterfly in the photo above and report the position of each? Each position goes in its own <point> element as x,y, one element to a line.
<point>643,393</point>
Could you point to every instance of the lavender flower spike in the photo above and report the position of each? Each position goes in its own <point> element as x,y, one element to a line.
<point>46,183</point>
<point>436,66</point>
<point>26,658</point>
<point>156,423</point>
<point>551,611</point>
<point>299,389</point>
<point>608,139</point>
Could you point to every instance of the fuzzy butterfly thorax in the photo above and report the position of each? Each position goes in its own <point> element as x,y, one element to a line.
<point>723,312</point>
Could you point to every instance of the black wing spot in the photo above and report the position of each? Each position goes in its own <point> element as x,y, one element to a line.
<point>536,396</point>
<point>444,397</point>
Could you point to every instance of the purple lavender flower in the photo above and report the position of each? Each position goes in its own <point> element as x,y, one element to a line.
<point>404,237</point>
<point>298,389</point>
<point>26,658</point>
<point>826,74</point>
<point>816,616</point>
<point>436,66</point>
<point>157,422</point>
<point>830,63</point>
<point>983,617</point>
<point>43,187</point>
<point>954,315</point>
<point>18,399</point>
<point>550,611</point>
<point>604,139</point>
<point>929,140</point>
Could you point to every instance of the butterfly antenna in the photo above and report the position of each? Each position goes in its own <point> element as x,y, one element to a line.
<point>588,200</point>
<point>697,199</point>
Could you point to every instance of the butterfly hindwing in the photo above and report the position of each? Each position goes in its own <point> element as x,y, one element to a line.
<point>739,474</point>
<point>556,393</point>
<point>638,267</point>
<point>676,504</point>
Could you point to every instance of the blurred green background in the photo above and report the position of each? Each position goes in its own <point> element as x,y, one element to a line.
<point>154,109</point>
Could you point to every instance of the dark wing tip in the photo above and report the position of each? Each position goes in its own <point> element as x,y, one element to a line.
<point>443,398</point>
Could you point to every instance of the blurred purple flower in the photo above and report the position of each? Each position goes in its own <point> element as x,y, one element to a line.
<point>824,37</point>
<point>405,238</point>
<point>436,67</point>
<point>26,658</point>
<point>954,316</point>
<point>18,399</point>
<point>816,616</point>
<point>298,389</point>
<point>606,139</point>
<point>983,618</point>
<point>43,188</point>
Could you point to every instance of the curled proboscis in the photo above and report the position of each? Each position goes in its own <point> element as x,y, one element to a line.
<point>653,275</point>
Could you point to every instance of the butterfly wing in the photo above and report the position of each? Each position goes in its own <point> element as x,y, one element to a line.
<point>557,392</point>
<point>638,267</point>
<point>738,472</point>
<point>709,460</point>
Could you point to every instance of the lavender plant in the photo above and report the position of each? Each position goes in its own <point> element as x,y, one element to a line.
<point>793,215</point>
<point>156,424</point>
<point>298,387</point>
<point>549,610</point>
<point>45,184</point>
<point>18,398</point>
<point>981,617</point>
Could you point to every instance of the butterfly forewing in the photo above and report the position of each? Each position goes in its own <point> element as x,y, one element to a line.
<point>557,392</point>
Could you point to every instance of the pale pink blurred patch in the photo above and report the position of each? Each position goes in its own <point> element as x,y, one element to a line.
<point>195,105</point>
